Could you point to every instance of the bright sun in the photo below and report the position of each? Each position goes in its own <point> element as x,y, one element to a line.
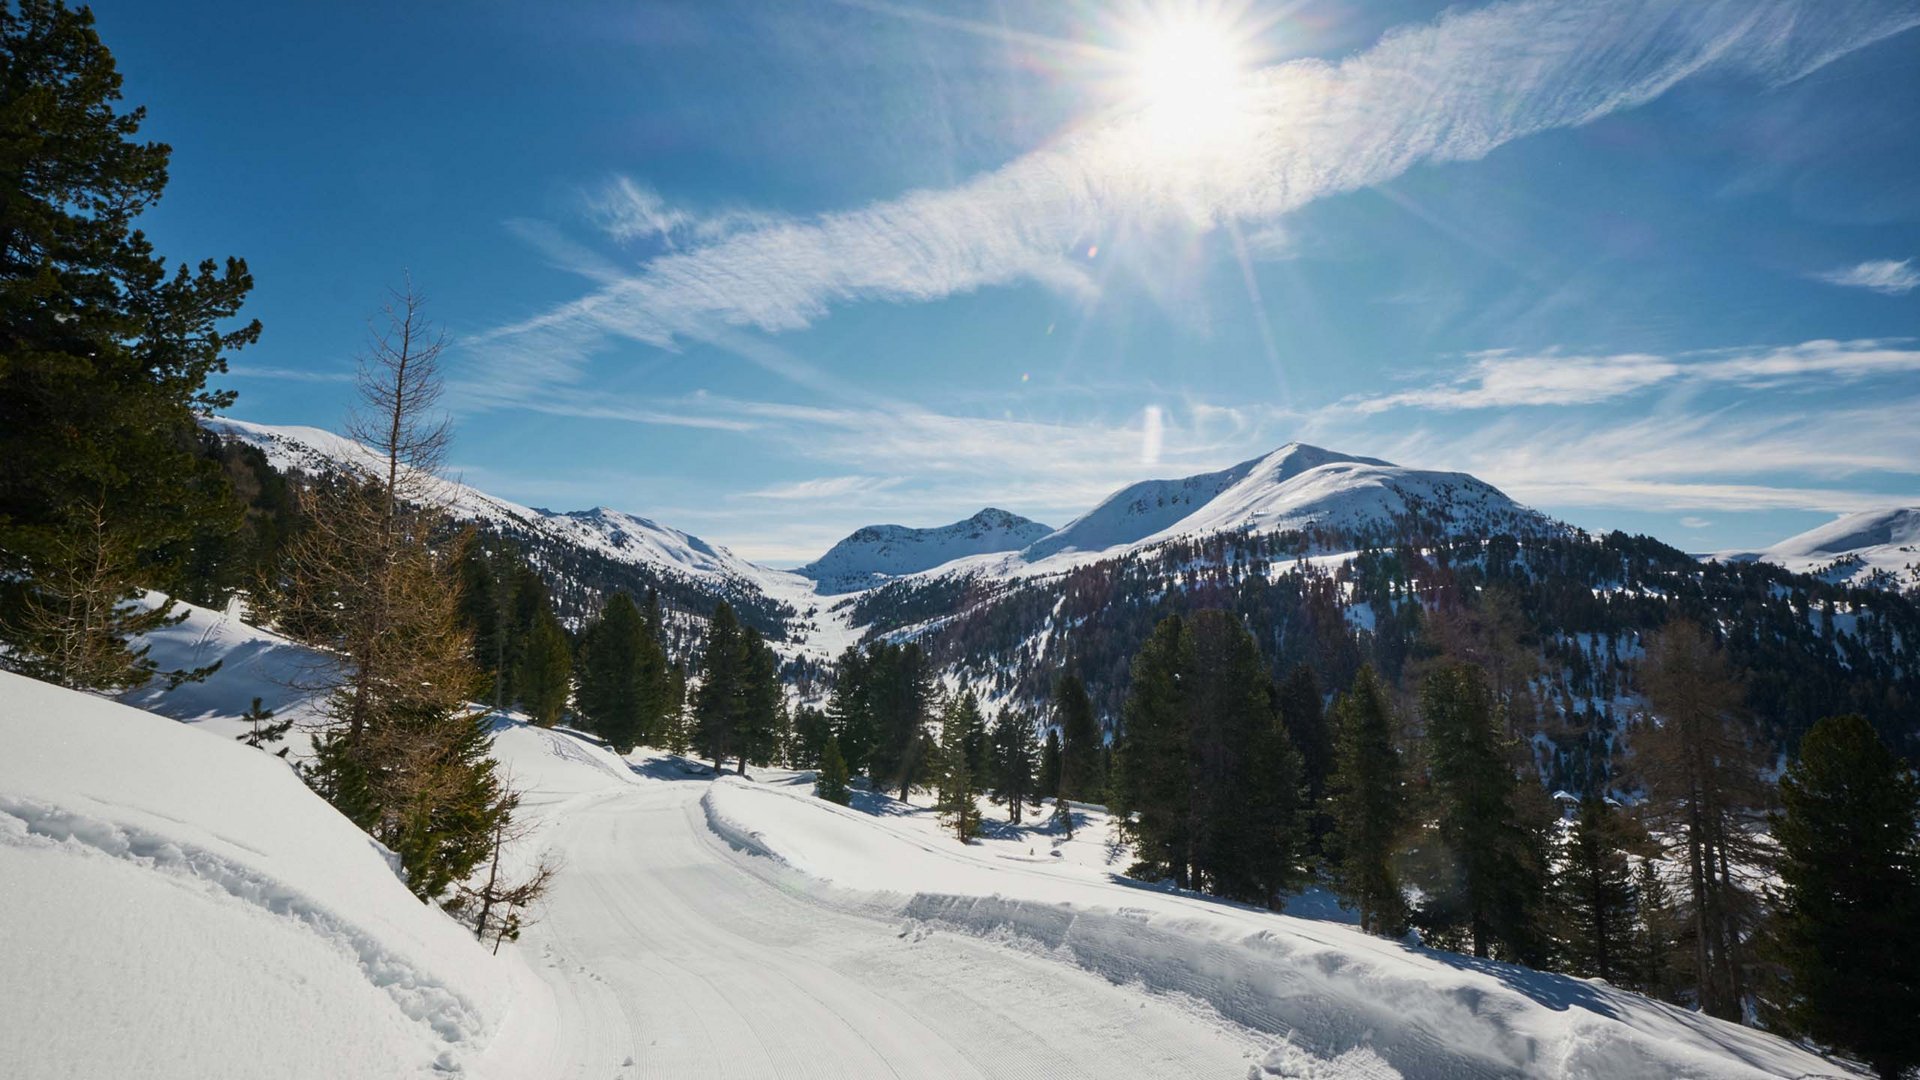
<point>1187,74</point>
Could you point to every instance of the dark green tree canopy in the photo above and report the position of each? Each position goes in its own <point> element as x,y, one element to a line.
<point>104,354</point>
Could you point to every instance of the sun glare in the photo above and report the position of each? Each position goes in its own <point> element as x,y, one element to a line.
<point>1187,75</point>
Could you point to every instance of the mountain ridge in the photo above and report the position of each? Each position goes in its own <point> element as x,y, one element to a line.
<point>874,554</point>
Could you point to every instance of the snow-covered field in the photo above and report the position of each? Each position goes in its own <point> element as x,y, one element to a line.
<point>179,905</point>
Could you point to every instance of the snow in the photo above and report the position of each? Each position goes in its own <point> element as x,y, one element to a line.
<point>1873,546</point>
<point>180,905</point>
<point>872,555</point>
<point>618,535</point>
<point>698,926</point>
<point>1293,487</point>
<point>1347,1004</point>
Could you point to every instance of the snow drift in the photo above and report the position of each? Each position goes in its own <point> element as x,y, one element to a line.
<point>180,905</point>
<point>1346,1003</point>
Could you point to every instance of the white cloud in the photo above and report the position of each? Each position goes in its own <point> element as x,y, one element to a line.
<point>630,211</point>
<point>824,488</point>
<point>1451,90</point>
<point>1894,278</point>
<point>1503,379</point>
<point>1693,522</point>
<point>1152,435</point>
<point>250,371</point>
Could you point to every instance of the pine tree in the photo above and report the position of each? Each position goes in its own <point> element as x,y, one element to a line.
<point>1849,918</point>
<point>1048,784</point>
<point>612,697</point>
<point>720,702</point>
<point>483,604</point>
<point>762,704</point>
<point>962,740</point>
<point>1368,805</point>
<point>1012,754</point>
<point>545,677</point>
<point>1596,925</point>
<point>850,710</point>
<point>1079,740</point>
<point>1303,715</point>
<point>1492,878</point>
<point>1063,817</point>
<point>1152,782</point>
<point>831,784</point>
<point>676,726</point>
<point>1703,774</point>
<point>263,728</point>
<point>811,732</point>
<point>1656,932</point>
<point>1245,776</point>
<point>901,696</point>
<point>403,755</point>
<point>104,363</point>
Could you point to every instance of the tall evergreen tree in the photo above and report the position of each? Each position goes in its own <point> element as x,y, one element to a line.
<point>1849,918</point>
<point>1368,804</point>
<point>1205,781</point>
<point>1702,770</point>
<point>1490,879</point>
<point>104,362</point>
<point>1596,927</point>
<point>899,693</point>
<point>1047,785</point>
<point>1245,775</point>
<point>850,711</point>
<point>483,606</point>
<point>1012,752</point>
<point>1303,714</point>
<point>545,677</point>
<point>1079,740</point>
<point>961,764</point>
<point>831,784</point>
<point>763,703</point>
<point>1153,768</point>
<point>719,704</point>
<point>1656,926</point>
<point>811,732</point>
<point>612,698</point>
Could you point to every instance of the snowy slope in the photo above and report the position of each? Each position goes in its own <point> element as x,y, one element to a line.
<point>1346,1003</point>
<point>871,555</point>
<point>1294,487</point>
<point>624,536</point>
<point>1877,548</point>
<point>179,905</point>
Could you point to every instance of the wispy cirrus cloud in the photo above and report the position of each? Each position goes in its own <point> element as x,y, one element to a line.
<point>629,211</point>
<point>826,487</point>
<point>1506,379</point>
<point>1451,90</point>
<point>1888,276</point>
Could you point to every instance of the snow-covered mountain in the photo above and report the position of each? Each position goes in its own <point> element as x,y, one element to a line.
<point>876,553</point>
<point>599,549</point>
<point>1294,487</point>
<point>1874,548</point>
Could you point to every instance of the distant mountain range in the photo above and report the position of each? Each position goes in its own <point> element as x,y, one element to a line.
<point>1333,559</point>
<point>1875,549</point>
<point>878,553</point>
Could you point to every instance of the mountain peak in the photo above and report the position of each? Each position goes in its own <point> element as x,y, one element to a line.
<point>874,553</point>
<point>1291,487</point>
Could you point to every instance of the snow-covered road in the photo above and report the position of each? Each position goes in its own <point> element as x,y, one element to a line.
<point>672,955</point>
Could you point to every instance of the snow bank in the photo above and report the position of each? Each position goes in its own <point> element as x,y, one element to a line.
<point>180,905</point>
<point>1346,1002</point>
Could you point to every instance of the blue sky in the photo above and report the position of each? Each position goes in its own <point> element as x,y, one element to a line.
<point>771,271</point>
